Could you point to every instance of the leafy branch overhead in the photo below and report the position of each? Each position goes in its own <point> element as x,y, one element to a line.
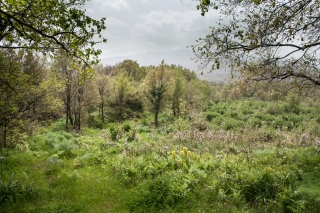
<point>263,40</point>
<point>49,25</point>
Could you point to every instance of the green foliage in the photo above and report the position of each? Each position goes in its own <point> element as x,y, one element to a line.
<point>54,159</point>
<point>65,148</point>
<point>256,122</point>
<point>24,96</point>
<point>263,186</point>
<point>231,123</point>
<point>144,128</point>
<point>95,122</point>
<point>126,127</point>
<point>59,20</point>
<point>131,69</point>
<point>253,166</point>
<point>155,195</point>
<point>238,41</point>
<point>114,131</point>
<point>211,115</point>
<point>13,191</point>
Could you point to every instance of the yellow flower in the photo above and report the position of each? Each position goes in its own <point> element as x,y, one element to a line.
<point>185,150</point>
<point>182,154</point>
<point>174,154</point>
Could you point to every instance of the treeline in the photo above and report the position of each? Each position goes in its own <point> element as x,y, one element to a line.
<point>36,89</point>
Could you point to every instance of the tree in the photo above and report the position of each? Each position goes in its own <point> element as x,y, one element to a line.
<point>197,95</point>
<point>123,92</point>
<point>102,81</point>
<point>24,99</point>
<point>49,26</point>
<point>86,98</point>
<point>178,92</point>
<point>76,94</point>
<point>154,88</point>
<point>131,70</point>
<point>264,40</point>
<point>67,75</point>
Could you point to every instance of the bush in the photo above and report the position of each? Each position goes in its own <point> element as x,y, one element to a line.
<point>153,196</point>
<point>255,122</point>
<point>231,123</point>
<point>234,115</point>
<point>95,122</point>
<point>264,186</point>
<point>211,115</point>
<point>114,131</point>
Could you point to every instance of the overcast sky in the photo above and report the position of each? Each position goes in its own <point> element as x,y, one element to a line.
<point>146,27</point>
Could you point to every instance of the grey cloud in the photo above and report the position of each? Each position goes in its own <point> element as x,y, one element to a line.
<point>150,30</point>
<point>171,30</point>
<point>117,5</point>
<point>111,21</point>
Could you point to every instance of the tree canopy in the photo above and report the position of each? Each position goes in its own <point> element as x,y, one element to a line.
<point>263,40</point>
<point>49,25</point>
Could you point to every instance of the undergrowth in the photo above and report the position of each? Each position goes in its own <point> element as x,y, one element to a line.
<point>241,156</point>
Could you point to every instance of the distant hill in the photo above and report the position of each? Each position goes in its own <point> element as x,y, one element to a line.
<point>180,57</point>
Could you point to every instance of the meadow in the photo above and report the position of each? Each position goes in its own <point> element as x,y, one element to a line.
<point>243,155</point>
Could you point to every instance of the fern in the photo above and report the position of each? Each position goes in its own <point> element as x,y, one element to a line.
<point>13,190</point>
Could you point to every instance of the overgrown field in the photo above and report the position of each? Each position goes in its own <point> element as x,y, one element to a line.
<point>239,156</point>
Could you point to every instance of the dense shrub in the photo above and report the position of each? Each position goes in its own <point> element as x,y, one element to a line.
<point>264,186</point>
<point>95,121</point>
<point>231,123</point>
<point>211,115</point>
<point>154,195</point>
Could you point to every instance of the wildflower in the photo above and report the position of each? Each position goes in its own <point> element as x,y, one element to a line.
<point>189,153</point>
<point>182,154</point>
<point>173,154</point>
<point>269,169</point>
<point>219,156</point>
<point>185,150</point>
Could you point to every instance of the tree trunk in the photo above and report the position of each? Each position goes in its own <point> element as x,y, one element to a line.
<point>67,118</point>
<point>68,107</point>
<point>102,112</point>
<point>156,119</point>
<point>78,112</point>
<point>4,138</point>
